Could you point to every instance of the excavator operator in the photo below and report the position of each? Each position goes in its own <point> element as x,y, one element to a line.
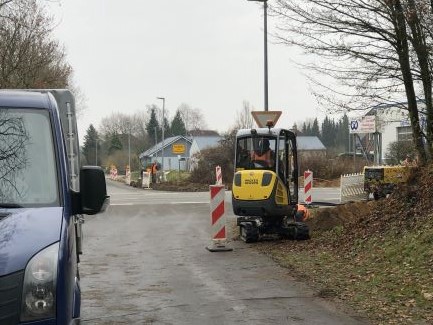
<point>263,154</point>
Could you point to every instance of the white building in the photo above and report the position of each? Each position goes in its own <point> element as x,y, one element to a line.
<point>198,144</point>
<point>393,124</point>
<point>180,151</point>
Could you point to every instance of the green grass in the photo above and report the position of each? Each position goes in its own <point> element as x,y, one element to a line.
<point>175,176</point>
<point>389,277</point>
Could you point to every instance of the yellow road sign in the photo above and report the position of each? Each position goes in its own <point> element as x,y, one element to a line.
<point>178,148</point>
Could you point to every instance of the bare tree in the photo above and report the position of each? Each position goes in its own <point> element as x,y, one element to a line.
<point>193,117</point>
<point>418,14</point>
<point>117,123</point>
<point>140,119</point>
<point>363,46</point>
<point>29,56</point>
<point>79,96</point>
<point>244,119</point>
<point>3,3</point>
<point>124,124</point>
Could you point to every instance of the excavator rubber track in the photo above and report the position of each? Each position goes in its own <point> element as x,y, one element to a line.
<point>252,229</point>
<point>249,232</point>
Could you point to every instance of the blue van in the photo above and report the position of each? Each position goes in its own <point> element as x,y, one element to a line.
<point>43,195</point>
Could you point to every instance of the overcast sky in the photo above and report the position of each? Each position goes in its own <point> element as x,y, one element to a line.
<point>205,53</point>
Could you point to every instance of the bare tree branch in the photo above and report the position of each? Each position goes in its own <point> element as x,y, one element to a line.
<point>367,51</point>
<point>29,56</point>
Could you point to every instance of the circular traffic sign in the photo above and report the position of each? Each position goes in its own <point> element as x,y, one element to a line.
<point>354,125</point>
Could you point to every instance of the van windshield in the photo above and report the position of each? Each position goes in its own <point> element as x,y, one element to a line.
<point>28,170</point>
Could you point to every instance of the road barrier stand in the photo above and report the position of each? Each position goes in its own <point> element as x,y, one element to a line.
<point>218,225</point>
<point>128,177</point>
<point>352,187</point>
<point>145,180</point>
<point>113,174</point>
<point>219,176</point>
<point>308,187</point>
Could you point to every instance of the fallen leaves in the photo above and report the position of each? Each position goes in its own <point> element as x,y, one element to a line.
<point>427,296</point>
<point>376,256</point>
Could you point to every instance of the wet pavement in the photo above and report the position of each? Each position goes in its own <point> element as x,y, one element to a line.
<point>145,262</point>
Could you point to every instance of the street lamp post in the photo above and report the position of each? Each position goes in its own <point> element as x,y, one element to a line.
<point>162,145</point>
<point>129,145</point>
<point>129,150</point>
<point>265,6</point>
<point>156,142</point>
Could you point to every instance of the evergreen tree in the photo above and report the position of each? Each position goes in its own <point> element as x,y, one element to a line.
<point>328,132</point>
<point>167,131</point>
<point>115,144</point>
<point>177,125</point>
<point>308,129</point>
<point>315,128</point>
<point>152,125</point>
<point>342,140</point>
<point>304,128</point>
<point>89,148</point>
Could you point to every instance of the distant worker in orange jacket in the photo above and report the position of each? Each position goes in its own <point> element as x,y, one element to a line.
<point>409,162</point>
<point>263,154</point>
<point>154,170</point>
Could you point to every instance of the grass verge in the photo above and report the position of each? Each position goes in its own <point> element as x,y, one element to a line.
<point>386,277</point>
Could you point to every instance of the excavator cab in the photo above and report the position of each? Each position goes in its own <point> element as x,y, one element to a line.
<point>265,184</point>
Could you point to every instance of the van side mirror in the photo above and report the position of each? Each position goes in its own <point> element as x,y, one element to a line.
<point>93,190</point>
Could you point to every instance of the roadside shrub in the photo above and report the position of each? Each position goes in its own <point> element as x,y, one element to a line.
<point>326,168</point>
<point>208,159</point>
<point>397,151</point>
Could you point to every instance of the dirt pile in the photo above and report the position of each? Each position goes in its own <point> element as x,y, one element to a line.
<point>407,207</point>
<point>327,218</point>
<point>374,256</point>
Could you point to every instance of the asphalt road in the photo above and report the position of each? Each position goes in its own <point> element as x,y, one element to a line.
<point>145,262</point>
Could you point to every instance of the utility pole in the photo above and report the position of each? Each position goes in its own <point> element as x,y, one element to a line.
<point>265,7</point>
<point>162,149</point>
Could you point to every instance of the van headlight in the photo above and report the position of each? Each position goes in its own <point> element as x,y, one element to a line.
<point>39,287</point>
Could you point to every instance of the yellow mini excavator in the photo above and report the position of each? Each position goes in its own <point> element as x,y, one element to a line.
<point>265,184</point>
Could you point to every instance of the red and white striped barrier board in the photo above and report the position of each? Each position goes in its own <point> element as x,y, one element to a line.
<point>219,176</point>
<point>308,186</point>
<point>218,225</point>
<point>113,173</point>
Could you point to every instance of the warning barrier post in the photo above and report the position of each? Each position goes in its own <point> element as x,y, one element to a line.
<point>145,180</point>
<point>218,220</point>
<point>308,187</point>
<point>219,176</point>
<point>113,173</point>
